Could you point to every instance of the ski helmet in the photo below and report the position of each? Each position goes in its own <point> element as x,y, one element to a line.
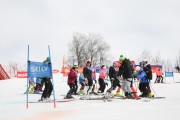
<point>121,58</point>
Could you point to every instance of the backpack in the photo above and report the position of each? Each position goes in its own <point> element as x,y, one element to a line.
<point>148,71</point>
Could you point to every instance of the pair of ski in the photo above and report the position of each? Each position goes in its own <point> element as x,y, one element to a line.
<point>95,98</point>
<point>110,98</point>
<point>52,101</point>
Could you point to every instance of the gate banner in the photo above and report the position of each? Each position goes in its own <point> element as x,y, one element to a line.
<point>39,69</point>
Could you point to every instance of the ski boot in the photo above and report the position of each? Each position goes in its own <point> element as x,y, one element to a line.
<point>150,95</point>
<point>81,92</point>
<point>118,94</point>
<point>68,96</point>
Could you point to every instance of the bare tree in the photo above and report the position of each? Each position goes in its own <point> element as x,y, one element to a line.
<point>177,61</point>
<point>157,60</point>
<point>168,66</point>
<point>94,46</point>
<point>103,53</point>
<point>145,55</point>
<point>76,49</point>
<point>88,47</point>
<point>97,49</point>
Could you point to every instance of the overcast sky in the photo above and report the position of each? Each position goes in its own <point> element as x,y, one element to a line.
<point>129,26</point>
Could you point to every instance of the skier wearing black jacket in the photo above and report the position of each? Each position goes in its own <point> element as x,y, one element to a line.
<point>126,70</point>
<point>48,85</point>
<point>148,71</point>
<point>113,71</point>
<point>88,76</point>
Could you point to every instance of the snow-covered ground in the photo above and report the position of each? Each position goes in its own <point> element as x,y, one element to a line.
<point>13,104</point>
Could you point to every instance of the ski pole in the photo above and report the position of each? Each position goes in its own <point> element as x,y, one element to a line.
<point>153,90</point>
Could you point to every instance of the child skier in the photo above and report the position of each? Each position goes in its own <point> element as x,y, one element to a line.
<point>31,86</point>
<point>94,84</point>
<point>159,76</point>
<point>87,72</point>
<point>147,69</point>
<point>48,85</point>
<point>143,84</point>
<point>102,76</point>
<point>72,76</point>
<point>38,87</point>
<point>82,83</point>
<point>113,71</point>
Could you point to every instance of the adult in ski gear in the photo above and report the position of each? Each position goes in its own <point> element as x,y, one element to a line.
<point>72,76</point>
<point>48,84</point>
<point>87,72</point>
<point>102,76</point>
<point>126,70</point>
<point>159,76</point>
<point>143,84</point>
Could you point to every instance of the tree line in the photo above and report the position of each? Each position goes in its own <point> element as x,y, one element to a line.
<point>94,48</point>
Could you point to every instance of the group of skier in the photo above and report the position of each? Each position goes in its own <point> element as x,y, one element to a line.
<point>121,74</point>
<point>122,71</point>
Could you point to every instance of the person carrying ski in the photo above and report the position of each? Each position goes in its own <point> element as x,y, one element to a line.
<point>72,76</point>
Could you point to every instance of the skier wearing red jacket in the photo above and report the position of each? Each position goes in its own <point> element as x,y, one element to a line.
<point>72,76</point>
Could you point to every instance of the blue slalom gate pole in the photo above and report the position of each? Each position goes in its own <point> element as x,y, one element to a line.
<point>27,79</point>
<point>52,78</point>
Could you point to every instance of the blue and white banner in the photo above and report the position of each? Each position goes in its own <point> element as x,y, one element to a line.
<point>169,74</point>
<point>39,69</point>
<point>98,69</point>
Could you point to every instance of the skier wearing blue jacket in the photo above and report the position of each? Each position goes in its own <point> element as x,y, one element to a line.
<point>143,84</point>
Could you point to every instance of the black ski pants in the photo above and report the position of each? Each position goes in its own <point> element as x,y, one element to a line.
<point>48,88</point>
